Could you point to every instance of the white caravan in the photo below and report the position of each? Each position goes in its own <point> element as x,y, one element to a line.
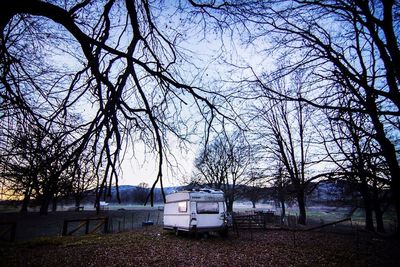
<point>196,211</point>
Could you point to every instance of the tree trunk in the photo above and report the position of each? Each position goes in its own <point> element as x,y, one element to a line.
<point>390,155</point>
<point>302,207</point>
<point>369,222</point>
<point>97,205</point>
<point>364,190</point>
<point>54,204</point>
<point>377,209</point>
<point>229,205</point>
<point>379,219</point>
<point>77,200</point>
<point>45,202</point>
<point>395,188</point>
<point>283,212</point>
<point>26,200</point>
<point>44,206</point>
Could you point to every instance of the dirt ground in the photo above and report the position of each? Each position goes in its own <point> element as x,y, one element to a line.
<point>152,246</point>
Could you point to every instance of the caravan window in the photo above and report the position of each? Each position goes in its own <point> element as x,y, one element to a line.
<point>207,207</point>
<point>182,206</point>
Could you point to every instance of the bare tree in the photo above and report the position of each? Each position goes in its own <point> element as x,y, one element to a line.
<point>223,164</point>
<point>141,193</point>
<point>352,48</point>
<point>285,134</point>
<point>85,178</point>
<point>31,164</point>
<point>281,185</point>
<point>359,159</point>
<point>19,163</point>
<point>110,60</point>
<point>254,189</point>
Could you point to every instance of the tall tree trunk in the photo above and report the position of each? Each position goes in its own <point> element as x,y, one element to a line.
<point>26,200</point>
<point>283,211</point>
<point>229,204</point>
<point>389,153</point>
<point>395,188</point>
<point>377,208</point>
<point>302,207</point>
<point>365,193</point>
<point>44,206</point>
<point>97,205</point>
<point>47,197</point>
<point>380,228</point>
<point>369,222</point>
<point>77,200</point>
<point>394,169</point>
<point>54,204</point>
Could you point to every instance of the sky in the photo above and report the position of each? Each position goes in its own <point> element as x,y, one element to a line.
<point>141,167</point>
<point>208,54</point>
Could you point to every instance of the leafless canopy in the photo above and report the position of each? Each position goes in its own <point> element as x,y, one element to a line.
<point>108,60</point>
<point>350,50</point>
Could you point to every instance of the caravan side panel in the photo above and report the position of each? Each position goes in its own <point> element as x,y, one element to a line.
<point>210,215</point>
<point>199,211</point>
<point>177,212</point>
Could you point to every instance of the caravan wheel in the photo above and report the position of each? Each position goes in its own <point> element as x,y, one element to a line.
<point>206,235</point>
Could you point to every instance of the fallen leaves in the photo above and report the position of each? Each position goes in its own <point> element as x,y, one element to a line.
<point>155,247</point>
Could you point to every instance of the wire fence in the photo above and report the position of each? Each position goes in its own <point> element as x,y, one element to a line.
<point>25,226</point>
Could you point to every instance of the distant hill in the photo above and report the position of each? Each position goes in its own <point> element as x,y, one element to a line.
<point>323,193</point>
<point>135,194</point>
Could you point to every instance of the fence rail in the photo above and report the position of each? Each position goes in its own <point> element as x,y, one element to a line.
<point>101,222</point>
<point>249,222</point>
<point>253,221</point>
<point>328,224</point>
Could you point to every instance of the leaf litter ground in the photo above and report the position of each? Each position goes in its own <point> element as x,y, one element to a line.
<point>153,246</point>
